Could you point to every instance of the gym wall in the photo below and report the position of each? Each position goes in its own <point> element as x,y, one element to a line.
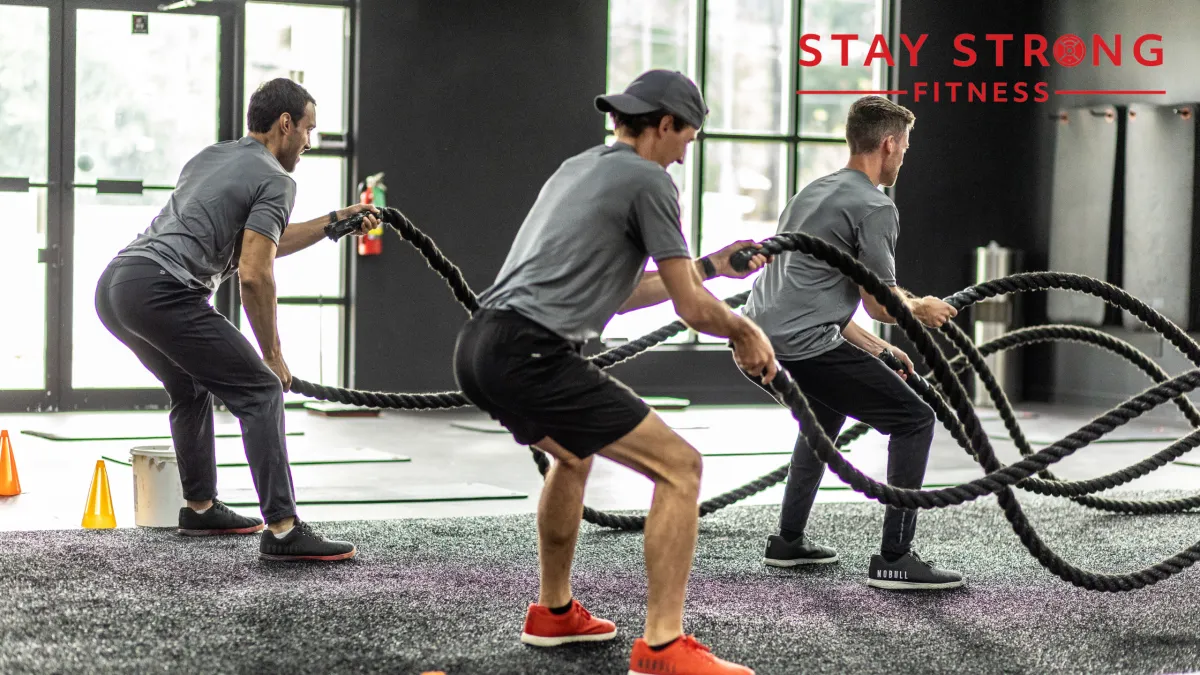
<point>965,179</point>
<point>467,107</point>
<point>467,137</point>
<point>1078,374</point>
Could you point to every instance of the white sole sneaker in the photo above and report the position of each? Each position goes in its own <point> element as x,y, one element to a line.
<point>892,585</point>
<point>539,641</point>
<point>799,561</point>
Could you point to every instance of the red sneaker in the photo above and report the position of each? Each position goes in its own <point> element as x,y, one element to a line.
<point>543,628</point>
<point>685,657</point>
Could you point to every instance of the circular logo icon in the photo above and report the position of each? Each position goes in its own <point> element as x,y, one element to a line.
<point>1070,50</point>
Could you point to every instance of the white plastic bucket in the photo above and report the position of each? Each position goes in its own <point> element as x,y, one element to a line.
<point>157,490</point>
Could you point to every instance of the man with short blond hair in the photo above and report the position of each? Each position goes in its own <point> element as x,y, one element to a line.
<point>806,307</point>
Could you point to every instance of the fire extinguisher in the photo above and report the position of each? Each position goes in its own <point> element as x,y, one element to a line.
<point>374,192</point>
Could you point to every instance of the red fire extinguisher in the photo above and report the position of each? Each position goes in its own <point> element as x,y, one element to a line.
<point>374,192</point>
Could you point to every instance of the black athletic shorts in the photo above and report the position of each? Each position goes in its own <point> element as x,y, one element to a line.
<point>537,384</point>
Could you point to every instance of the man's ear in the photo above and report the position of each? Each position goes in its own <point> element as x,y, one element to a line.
<point>285,123</point>
<point>666,124</point>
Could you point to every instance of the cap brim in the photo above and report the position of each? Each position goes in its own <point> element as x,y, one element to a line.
<point>624,103</point>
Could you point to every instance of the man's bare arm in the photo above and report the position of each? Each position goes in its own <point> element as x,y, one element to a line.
<point>931,311</point>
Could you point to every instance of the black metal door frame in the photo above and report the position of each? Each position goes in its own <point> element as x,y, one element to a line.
<point>46,398</point>
<point>58,394</point>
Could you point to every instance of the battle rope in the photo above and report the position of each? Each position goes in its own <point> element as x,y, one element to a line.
<point>958,415</point>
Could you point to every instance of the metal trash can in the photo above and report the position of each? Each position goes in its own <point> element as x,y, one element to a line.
<point>995,317</point>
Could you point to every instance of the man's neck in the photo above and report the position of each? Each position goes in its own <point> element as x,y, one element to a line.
<point>871,164</point>
<point>642,146</point>
<point>265,139</point>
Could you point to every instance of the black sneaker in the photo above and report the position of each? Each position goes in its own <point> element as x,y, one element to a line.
<point>303,543</point>
<point>218,519</point>
<point>910,573</point>
<point>782,553</point>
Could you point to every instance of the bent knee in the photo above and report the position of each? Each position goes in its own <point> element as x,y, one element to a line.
<point>683,468</point>
<point>263,398</point>
<point>270,390</point>
<point>923,413</point>
<point>920,418</point>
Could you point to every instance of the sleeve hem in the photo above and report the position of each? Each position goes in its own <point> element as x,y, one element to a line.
<point>670,255</point>
<point>260,230</point>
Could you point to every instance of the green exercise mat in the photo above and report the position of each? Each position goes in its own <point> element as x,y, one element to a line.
<point>741,452</point>
<point>334,409</point>
<point>845,488</point>
<point>666,402</point>
<point>483,426</point>
<point>120,431</point>
<point>490,427</point>
<point>381,494</point>
<point>992,414</point>
<point>1047,430</point>
<point>297,456</point>
<point>749,451</point>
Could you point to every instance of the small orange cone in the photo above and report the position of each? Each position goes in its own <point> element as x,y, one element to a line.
<point>10,484</point>
<point>98,513</point>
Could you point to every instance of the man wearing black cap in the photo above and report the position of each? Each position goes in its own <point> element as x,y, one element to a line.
<point>580,257</point>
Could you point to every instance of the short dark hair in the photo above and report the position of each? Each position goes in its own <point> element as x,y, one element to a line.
<point>636,124</point>
<point>872,119</point>
<point>272,99</point>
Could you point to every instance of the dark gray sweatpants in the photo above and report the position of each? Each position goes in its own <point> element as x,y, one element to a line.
<point>197,353</point>
<point>846,381</point>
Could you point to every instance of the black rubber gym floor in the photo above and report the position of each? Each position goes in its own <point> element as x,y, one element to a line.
<point>450,594</point>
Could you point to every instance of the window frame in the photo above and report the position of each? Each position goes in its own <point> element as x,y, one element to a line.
<point>228,300</point>
<point>793,138</point>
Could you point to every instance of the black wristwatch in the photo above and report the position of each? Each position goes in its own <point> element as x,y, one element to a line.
<point>710,270</point>
<point>333,217</point>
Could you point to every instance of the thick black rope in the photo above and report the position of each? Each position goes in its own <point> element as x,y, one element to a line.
<point>961,420</point>
<point>1052,333</point>
<point>786,391</point>
<point>1051,485</point>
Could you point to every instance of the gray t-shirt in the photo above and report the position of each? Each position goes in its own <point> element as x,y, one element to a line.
<point>801,303</point>
<point>584,245</point>
<point>228,186</point>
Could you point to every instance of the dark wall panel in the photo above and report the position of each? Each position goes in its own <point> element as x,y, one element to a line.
<point>468,107</point>
<point>967,178</point>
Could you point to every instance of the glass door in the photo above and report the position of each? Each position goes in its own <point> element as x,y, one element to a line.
<point>147,96</point>
<point>25,89</point>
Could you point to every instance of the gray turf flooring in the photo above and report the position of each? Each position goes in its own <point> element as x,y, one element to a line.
<point>449,595</point>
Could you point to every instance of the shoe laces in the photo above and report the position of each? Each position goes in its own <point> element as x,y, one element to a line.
<point>690,642</point>
<point>303,528</point>
<point>581,611</point>
<point>917,556</point>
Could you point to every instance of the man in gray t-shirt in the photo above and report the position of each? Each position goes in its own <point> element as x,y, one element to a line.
<point>228,187</point>
<point>571,275</point>
<point>228,213</point>
<point>806,308</point>
<point>803,304</point>
<point>580,257</point>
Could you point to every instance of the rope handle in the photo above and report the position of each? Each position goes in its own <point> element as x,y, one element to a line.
<point>341,228</point>
<point>740,259</point>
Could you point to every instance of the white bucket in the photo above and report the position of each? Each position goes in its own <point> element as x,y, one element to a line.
<point>157,490</point>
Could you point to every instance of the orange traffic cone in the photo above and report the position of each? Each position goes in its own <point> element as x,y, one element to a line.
<point>10,485</point>
<point>98,513</point>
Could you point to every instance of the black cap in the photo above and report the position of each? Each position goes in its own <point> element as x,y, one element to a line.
<point>655,90</point>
